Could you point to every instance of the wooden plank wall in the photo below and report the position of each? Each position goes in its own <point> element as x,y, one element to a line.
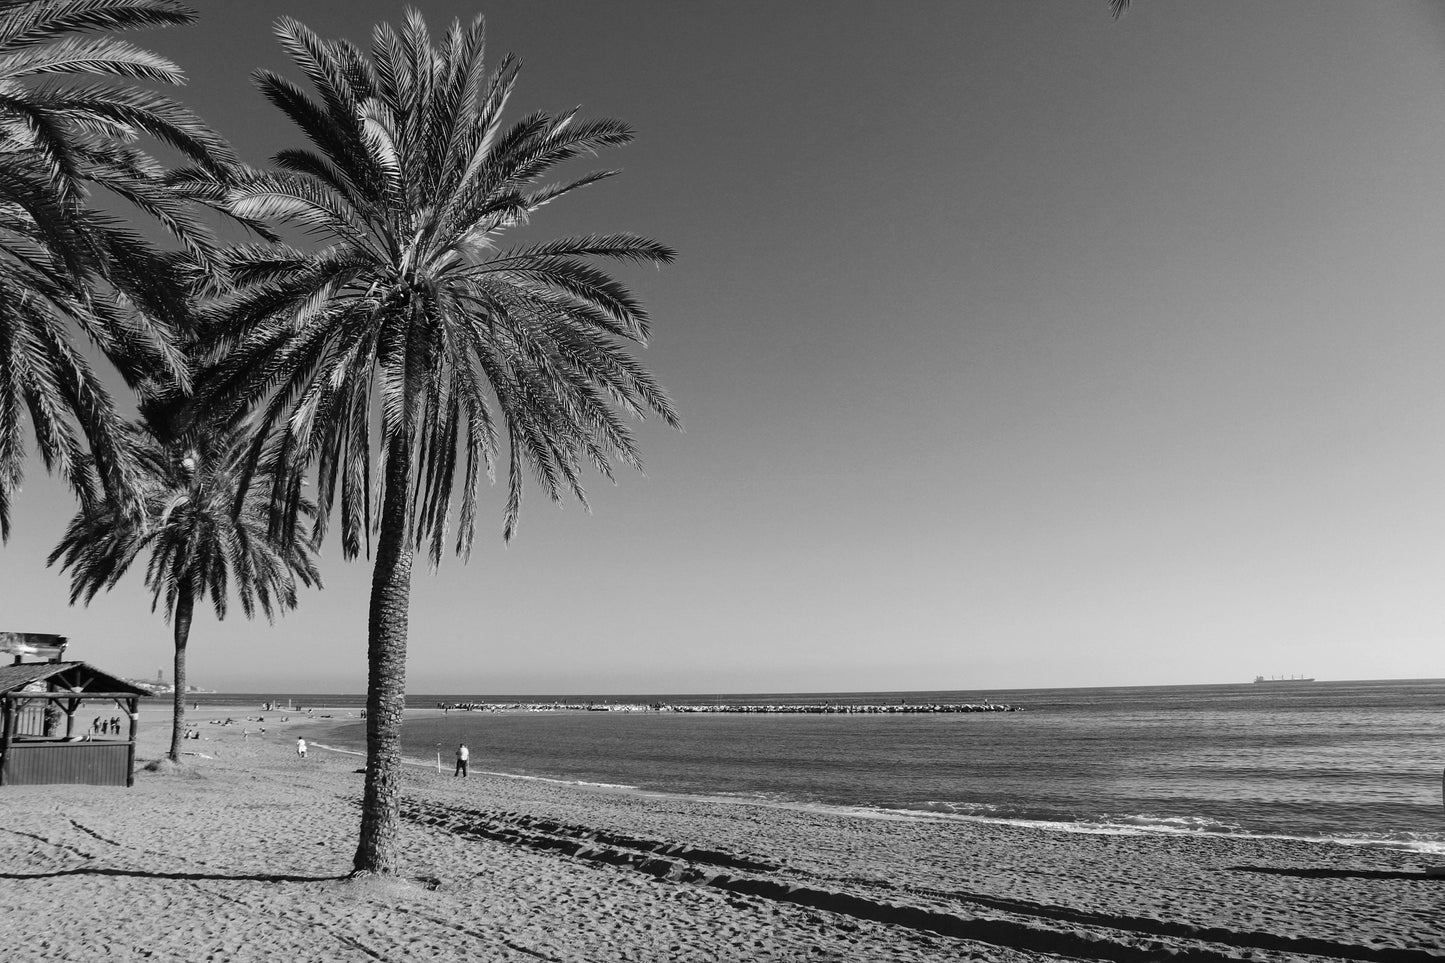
<point>78,763</point>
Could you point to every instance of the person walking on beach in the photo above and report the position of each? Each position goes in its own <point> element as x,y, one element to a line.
<point>301,748</point>
<point>462,755</point>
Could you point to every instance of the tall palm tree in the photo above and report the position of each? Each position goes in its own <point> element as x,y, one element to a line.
<point>199,541</point>
<point>66,134</point>
<point>413,335</point>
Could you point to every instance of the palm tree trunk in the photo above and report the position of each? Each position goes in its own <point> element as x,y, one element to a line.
<point>185,605</point>
<point>379,849</point>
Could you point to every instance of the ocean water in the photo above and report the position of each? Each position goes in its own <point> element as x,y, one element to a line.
<point>1355,761</point>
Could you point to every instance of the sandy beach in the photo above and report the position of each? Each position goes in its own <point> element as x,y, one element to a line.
<point>242,856</point>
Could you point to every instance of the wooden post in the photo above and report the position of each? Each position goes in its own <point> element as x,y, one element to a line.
<point>7,710</point>
<point>133,708</point>
<point>70,706</point>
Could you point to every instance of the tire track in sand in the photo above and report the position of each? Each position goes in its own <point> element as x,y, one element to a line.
<point>1018,924</point>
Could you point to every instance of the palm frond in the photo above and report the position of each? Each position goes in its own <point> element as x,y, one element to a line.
<point>90,55</point>
<point>157,115</point>
<point>25,22</point>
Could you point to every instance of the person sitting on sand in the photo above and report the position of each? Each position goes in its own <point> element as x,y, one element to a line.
<point>462,754</point>
<point>301,748</point>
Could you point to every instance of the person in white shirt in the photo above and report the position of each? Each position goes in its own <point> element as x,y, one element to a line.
<point>301,748</point>
<point>462,755</point>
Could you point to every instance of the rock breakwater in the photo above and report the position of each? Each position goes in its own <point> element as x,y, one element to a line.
<point>815,708</point>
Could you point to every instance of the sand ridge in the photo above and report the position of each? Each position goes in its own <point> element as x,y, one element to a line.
<point>242,856</point>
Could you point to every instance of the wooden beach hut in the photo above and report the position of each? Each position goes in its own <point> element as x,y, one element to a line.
<point>41,742</point>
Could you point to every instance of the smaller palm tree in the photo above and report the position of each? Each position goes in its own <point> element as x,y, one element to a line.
<point>200,542</point>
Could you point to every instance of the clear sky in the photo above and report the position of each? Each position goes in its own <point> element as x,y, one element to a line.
<point>1016,347</point>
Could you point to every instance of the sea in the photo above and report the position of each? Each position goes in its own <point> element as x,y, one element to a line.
<point>1355,762</point>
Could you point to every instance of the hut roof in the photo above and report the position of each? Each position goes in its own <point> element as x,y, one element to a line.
<point>78,677</point>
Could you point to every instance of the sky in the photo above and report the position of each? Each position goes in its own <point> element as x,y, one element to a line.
<point>1015,346</point>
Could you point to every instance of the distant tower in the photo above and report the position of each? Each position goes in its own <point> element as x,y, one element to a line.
<point>160,676</point>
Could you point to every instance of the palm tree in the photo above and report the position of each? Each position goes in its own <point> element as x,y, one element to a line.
<point>199,541</point>
<point>64,135</point>
<point>413,335</point>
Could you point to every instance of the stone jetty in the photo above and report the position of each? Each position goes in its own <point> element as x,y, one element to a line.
<point>780,708</point>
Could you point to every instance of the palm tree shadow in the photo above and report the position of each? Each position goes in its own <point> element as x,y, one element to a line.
<point>1318,872</point>
<point>156,874</point>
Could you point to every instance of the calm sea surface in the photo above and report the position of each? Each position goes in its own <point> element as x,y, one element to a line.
<point>1339,760</point>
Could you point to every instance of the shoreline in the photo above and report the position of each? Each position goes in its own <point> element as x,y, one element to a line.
<point>1424,849</point>
<point>241,854</point>
<point>1431,849</point>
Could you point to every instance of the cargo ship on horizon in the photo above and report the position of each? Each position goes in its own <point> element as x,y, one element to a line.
<point>1261,680</point>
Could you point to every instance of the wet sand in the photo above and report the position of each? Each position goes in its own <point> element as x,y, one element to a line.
<point>242,855</point>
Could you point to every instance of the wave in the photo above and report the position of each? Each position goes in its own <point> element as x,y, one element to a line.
<point>1430,843</point>
<point>1138,824</point>
<point>562,782</point>
<point>349,752</point>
